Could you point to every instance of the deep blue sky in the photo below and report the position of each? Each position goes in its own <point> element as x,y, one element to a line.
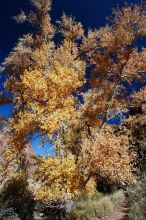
<point>92,13</point>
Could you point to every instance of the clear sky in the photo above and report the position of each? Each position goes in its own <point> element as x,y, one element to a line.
<point>92,13</point>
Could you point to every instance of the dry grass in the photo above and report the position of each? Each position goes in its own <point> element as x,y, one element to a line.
<point>96,207</point>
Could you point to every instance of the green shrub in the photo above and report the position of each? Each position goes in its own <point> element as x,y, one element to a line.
<point>136,212</point>
<point>84,207</point>
<point>104,207</point>
<point>137,199</point>
<point>83,211</point>
<point>117,198</point>
<point>97,196</point>
<point>138,191</point>
<point>95,207</point>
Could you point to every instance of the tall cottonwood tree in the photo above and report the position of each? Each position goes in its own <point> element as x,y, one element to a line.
<point>45,82</point>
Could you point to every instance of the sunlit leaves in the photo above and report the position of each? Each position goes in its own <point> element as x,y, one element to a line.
<point>108,155</point>
<point>60,179</point>
<point>46,79</point>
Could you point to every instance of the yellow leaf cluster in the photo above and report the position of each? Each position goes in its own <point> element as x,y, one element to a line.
<point>60,179</point>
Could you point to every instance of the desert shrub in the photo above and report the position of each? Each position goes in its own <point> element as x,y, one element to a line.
<point>117,198</point>
<point>136,212</point>
<point>137,199</point>
<point>138,191</point>
<point>96,196</point>
<point>83,211</point>
<point>107,204</point>
<point>95,207</point>
<point>16,190</point>
<point>104,207</point>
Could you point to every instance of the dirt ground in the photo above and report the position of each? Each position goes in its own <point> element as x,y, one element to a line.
<point>121,213</point>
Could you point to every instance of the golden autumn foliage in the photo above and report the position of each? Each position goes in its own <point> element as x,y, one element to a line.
<point>59,179</point>
<point>108,155</point>
<point>116,59</point>
<point>90,188</point>
<point>46,81</point>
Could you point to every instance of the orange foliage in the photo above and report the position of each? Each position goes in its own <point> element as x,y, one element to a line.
<point>45,80</point>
